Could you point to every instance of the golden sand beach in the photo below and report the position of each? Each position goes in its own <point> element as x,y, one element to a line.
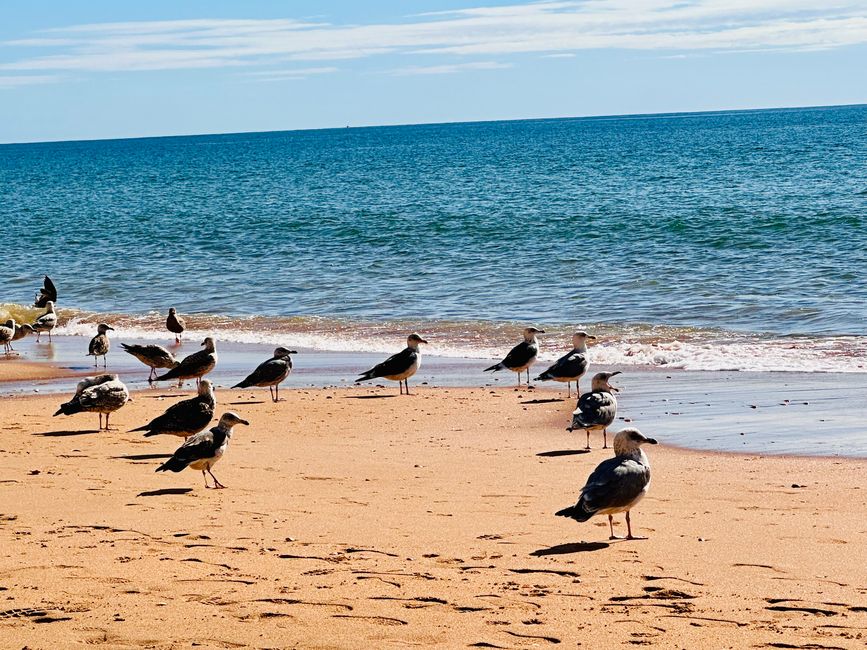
<point>355,518</point>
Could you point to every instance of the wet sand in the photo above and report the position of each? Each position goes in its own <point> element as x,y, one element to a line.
<point>357,518</point>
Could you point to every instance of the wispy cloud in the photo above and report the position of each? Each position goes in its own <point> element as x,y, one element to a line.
<point>552,28</point>
<point>14,81</point>
<point>450,68</point>
<point>291,74</point>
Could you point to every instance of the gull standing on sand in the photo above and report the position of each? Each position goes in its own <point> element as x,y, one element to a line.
<point>597,409</point>
<point>46,322</point>
<point>522,356</point>
<point>195,365</point>
<point>175,324</point>
<point>46,293</point>
<point>102,394</point>
<point>203,450</point>
<point>398,367</point>
<point>20,330</point>
<point>99,344</point>
<point>572,366</point>
<point>187,417</point>
<point>153,356</point>
<point>270,373</point>
<point>7,335</point>
<point>617,484</point>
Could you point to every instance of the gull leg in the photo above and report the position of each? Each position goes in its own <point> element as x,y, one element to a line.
<point>205,476</point>
<point>100,421</point>
<point>277,393</point>
<point>406,381</point>
<point>605,438</point>
<point>106,422</point>
<point>271,390</point>
<point>568,389</point>
<point>217,484</point>
<point>400,385</point>
<point>588,438</point>
<point>629,534</point>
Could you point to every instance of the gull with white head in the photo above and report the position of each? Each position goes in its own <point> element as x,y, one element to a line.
<point>522,356</point>
<point>597,409</point>
<point>398,367</point>
<point>187,417</point>
<point>617,484</point>
<point>46,322</point>
<point>270,373</point>
<point>203,450</point>
<point>196,365</point>
<point>572,365</point>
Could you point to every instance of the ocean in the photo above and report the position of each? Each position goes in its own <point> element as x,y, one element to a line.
<point>706,241</point>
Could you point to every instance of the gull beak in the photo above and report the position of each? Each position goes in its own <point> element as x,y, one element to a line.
<point>652,441</point>
<point>590,336</point>
<point>616,372</point>
<point>243,422</point>
<point>540,331</point>
<point>422,341</point>
<point>110,328</point>
<point>293,351</point>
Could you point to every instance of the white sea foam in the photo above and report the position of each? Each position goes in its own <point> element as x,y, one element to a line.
<point>666,349</point>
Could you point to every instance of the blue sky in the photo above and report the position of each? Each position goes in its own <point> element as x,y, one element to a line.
<point>99,69</point>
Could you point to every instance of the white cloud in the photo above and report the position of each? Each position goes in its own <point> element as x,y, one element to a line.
<point>450,68</point>
<point>291,74</point>
<point>555,29</point>
<point>14,81</point>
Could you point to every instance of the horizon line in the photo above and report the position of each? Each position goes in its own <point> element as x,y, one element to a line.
<point>613,116</point>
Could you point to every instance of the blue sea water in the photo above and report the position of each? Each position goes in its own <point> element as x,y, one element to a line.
<point>674,236</point>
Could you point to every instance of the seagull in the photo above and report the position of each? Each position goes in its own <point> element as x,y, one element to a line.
<point>617,484</point>
<point>102,394</point>
<point>572,366</point>
<point>46,322</point>
<point>596,410</point>
<point>398,367</point>
<point>271,372</point>
<point>522,356</point>
<point>187,417</point>
<point>203,450</point>
<point>46,293</point>
<point>7,335</point>
<point>175,324</point>
<point>20,330</point>
<point>154,356</point>
<point>195,365</point>
<point>99,344</point>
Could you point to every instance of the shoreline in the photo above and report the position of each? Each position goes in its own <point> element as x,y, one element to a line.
<point>792,414</point>
<point>356,516</point>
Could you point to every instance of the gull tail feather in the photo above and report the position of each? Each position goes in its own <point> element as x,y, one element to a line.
<point>172,464</point>
<point>578,512</point>
<point>495,367</point>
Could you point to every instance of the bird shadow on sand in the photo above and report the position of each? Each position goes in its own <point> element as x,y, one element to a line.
<point>62,434</point>
<point>571,547</point>
<point>245,403</point>
<point>368,396</point>
<point>550,400</point>
<point>164,492</point>
<point>142,457</point>
<point>562,452</point>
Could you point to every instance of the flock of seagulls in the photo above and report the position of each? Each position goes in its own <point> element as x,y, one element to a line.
<point>615,486</point>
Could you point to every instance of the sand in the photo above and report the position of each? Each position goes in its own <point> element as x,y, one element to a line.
<point>355,518</point>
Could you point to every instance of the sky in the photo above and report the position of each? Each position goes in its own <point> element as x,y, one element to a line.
<point>93,69</point>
